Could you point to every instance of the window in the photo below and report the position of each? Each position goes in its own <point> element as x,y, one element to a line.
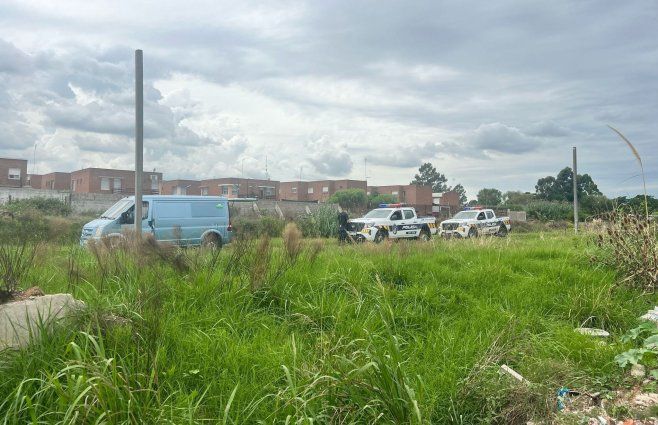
<point>224,189</point>
<point>325,189</point>
<point>117,185</point>
<point>294,190</point>
<point>481,216</point>
<point>397,215</point>
<point>236,189</point>
<point>154,181</point>
<point>180,190</point>
<point>208,209</point>
<point>105,183</point>
<point>310,190</point>
<point>489,214</point>
<point>408,214</point>
<point>204,191</point>
<point>14,174</point>
<point>173,210</point>
<point>394,193</point>
<point>73,185</point>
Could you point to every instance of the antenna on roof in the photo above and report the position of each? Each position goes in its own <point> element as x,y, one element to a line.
<point>267,176</point>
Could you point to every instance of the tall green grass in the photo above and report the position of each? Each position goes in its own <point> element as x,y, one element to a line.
<point>393,333</point>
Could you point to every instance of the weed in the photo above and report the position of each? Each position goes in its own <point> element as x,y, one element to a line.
<point>629,244</point>
<point>15,264</point>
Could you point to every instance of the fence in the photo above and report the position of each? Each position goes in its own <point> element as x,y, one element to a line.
<point>82,203</point>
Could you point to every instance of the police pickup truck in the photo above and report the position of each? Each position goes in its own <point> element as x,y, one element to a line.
<point>475,222</point>
<point>394,221</point>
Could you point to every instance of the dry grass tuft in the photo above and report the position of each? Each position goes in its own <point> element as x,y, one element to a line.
<point>629,244</point>
<point>292,241</point>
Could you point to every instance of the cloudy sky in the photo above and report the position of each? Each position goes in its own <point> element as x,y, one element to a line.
<point>494,94</point>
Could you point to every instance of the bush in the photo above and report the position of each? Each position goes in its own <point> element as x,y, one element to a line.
<point>350,199</point>
<point>258,227</point>
<point>630,246</point>
<point>31,225</point>
<point>15,264</point>
<point>47,206</point>
<point>321,223</point>
<point>546,210</point>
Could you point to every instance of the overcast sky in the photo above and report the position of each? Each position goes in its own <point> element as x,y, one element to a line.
<point>493,93</point>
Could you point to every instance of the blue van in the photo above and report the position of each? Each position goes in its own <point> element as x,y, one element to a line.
<point>184,220</point>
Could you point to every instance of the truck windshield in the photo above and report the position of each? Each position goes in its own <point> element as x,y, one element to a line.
<point>466,215</point>
<point>377,214</point>
<point>115,210</point>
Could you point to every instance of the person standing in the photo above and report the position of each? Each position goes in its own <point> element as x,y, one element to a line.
<point>342,226</point>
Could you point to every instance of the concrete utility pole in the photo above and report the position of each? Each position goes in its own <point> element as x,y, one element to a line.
<point>139,139</point>
<point>575,191</point>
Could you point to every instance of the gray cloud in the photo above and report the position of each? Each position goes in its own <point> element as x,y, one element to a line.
<point>405,156</point>
<point>525,79</point>
<point>500,138</point>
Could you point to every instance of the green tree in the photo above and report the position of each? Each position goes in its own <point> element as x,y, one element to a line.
<point>560,188</point>
<point>428,176</point>
<point>383,198</point>
<point>490,197</point>
<point>515,197</point>
<point>461,191</point>
<point>350,199</point>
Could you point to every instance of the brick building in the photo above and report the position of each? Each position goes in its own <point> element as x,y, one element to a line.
<point>316,191</point>
<point>445,204</point>
<point>180,187</point>
<point>232,187</point>
<point>52,181</point>
<point>13,172</point>
<point>417,196</point>
<point>105,180</point>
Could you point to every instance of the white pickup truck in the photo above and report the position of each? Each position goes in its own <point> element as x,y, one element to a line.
<point>475,222</point>
<point>394,221</point>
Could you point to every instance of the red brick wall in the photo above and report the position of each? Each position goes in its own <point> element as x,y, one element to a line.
<point>8,163</point>
<point>55,181</point>
<point>89,181</point>
<point>246,188</point>
<point>191,187</point>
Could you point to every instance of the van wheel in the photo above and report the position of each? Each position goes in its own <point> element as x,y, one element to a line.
<point>211,240</point>
<point>425,235</point>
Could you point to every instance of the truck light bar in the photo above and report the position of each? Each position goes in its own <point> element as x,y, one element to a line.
<point>477,207</point>
<point>397,205</point>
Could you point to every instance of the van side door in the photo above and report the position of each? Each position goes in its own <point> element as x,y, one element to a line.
<point>169,219</point>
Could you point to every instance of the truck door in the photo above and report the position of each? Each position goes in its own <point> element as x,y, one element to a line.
<point>491,222</point>
<point>409,227</point>
<point>396,221</point>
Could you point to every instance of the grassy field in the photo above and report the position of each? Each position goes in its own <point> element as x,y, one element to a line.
<point>321,333</point>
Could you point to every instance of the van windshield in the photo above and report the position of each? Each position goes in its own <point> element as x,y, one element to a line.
<point>115,210</point>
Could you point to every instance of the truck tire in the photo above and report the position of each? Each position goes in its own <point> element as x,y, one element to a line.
<point>212,241</point>
<point>472,232</point>
<point>425,235</point>
<point>381,236</point>
<point>502,232</point>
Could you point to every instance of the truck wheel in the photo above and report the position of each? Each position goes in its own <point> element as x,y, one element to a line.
<point>425,235</point>
<point>502,232</point>
<point>380,236</point>
<point>472,232</point>
<point>212,240</point>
